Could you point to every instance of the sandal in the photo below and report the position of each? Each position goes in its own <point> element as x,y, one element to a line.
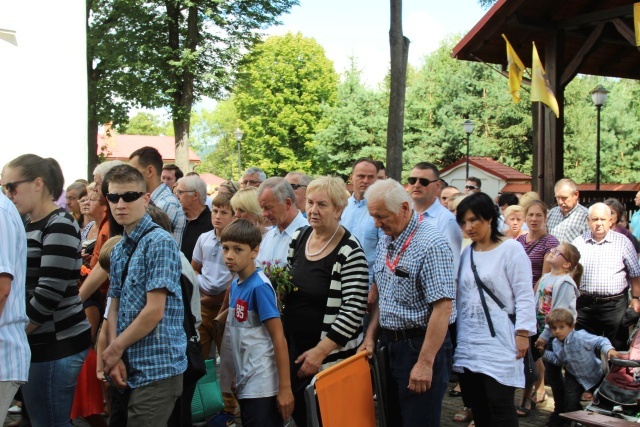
<point>540,401</point>
<point>463,415</point>
<point>522,410</point>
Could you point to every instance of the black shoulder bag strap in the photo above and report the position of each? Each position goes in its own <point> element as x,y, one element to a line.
<point>125,271</point>
<point>483,287</point>
<point>189,320</point>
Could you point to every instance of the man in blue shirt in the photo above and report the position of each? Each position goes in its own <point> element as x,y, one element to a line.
<point>147,342</point>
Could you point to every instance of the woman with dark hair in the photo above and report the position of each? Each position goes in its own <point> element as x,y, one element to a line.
<point>495,315</point>
<point>617,213</point>
<point>58,331</point>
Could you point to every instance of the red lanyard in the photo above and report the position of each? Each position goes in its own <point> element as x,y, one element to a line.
<point>392,265</point>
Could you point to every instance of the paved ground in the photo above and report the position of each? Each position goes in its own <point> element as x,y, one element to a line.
<point>451,405</point>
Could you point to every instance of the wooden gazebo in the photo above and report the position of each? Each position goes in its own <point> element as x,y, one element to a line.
<point>572,36</point>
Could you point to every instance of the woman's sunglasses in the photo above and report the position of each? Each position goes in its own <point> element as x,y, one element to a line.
<point>11,187</point>
<point>128,197</point>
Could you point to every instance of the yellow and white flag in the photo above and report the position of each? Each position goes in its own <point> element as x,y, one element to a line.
<point>636,21</point>
<point>540,88</point>
<point>516,70</point>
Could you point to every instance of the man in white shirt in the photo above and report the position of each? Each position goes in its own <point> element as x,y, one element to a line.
<point>278,203</point>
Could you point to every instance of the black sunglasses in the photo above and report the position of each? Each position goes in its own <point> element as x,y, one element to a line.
<point>423,181</point>
<point>471,187</point>
<point>296,186</point>
<point>128,197</point>
<point>11,187</point>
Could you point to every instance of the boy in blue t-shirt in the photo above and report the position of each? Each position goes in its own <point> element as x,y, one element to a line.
<point>259,349</point>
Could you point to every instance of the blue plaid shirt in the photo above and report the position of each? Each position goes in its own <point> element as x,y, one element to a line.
<point>405,303</point>
<point>577,354</point>
<point>155,264</point>
<point>163,198</point>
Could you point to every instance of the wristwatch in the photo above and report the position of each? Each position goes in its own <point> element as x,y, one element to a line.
<point>635,297</point>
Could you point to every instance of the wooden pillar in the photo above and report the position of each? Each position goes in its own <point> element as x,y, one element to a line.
<point>553,157</point>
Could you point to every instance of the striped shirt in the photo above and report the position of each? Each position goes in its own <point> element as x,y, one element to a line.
<point>347,299</point>
<point>163,198</point>
<point>14,347</point>
<point>155,264</point>
<point>537,250</point>
<point>608,264</point>
<point>567,228</point>
<point>405,302</point>
<point>53,303</point>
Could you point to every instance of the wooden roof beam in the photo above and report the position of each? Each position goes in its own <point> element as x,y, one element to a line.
<point>571,69</point>
<point>601,15</point>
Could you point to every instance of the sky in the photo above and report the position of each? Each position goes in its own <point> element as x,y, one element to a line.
<point>360,28</point>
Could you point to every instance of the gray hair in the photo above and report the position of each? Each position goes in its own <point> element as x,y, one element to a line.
<point>389,190</point>
<point>566,182</point>
<point>303,179</point>
<point>261,175</point>
<point>280,188</point>
<point>599,205</point>
<point>195,183</point>
<point>77,186</point>
<point>102,169</point>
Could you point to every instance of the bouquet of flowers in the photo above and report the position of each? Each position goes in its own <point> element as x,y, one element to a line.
<point>280,278</point>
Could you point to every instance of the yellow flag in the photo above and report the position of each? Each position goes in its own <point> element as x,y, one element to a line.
<point>636,21</point>
<point>540,89</point>
<point>516,69</point>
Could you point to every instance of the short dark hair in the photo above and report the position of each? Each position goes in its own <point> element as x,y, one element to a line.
<point>33,166</point>
<point>243,232</point>
<point>367,160</point>
<point>193,173</point>
<point>223,200</point>
<point>559,316</point>
<point>148,156</point>
<point>615,205</point>
<point>172,167</point>
<point>477,181</point>
<point>380,165</point>
<point>428,166</point>
<point>124,174</point>
<point>507,199</point>
<point>481,205</point>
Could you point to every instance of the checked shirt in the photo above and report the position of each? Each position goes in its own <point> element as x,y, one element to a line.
<point>567,228</point>
<point>155,264</point>
<point>405,302</point>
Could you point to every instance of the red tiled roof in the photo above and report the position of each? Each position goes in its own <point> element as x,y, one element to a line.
<point>523,188</point>
<point>120,147</point>
<point>211,179</point>
<point>493,167</point>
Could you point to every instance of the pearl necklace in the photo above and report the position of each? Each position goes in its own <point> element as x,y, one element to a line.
<point>306,249</point>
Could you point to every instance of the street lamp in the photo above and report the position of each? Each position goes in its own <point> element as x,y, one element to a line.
<point>599,97</point>
<point>237,134</point>
<point>468,128</point>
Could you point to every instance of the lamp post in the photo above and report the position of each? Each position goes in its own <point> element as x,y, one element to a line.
<point>468,128</point>
<point>599,97</point>
<point>237,134</point>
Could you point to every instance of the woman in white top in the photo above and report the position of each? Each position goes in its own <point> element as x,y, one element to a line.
<point>490,346</point>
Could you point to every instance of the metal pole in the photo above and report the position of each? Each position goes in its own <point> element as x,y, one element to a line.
<point>467,156</point>
<point>239,161</point>
<point>598,107</point>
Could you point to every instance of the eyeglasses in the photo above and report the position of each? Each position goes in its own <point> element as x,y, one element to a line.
<point>471,187</point>
<point>423,181</point>
<point>251,182</point>
<point>128,197</point>
<point>71,198</point>
<point>181,192</point>
<point>296,186</point>
<point>556,251</point>
<point>11,187</point>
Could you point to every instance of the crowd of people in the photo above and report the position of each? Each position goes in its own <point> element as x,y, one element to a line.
<point>283,277</point>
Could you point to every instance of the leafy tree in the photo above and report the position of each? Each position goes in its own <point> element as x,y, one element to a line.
<point>144,123</point>
<point>279,96</point>
<point>356,125</point>
<point>169,53</point>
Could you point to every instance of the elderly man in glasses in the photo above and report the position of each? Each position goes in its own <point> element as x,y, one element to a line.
<point>252,177</point>
<point>299,182</point>
<point>191,191</point>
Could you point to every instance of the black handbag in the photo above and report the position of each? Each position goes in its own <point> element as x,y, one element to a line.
<point>196,367</point>
<point>530,371</point>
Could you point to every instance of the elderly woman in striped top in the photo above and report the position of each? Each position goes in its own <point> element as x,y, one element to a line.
<point>323,317</point>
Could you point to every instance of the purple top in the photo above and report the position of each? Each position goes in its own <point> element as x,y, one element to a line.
<point>537,250</point>
<point>622,230</point>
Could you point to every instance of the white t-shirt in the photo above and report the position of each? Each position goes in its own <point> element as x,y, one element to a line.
<point>506,271</point>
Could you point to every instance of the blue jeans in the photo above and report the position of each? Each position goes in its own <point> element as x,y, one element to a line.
<point>50,390</point>
<point>416,409</point>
